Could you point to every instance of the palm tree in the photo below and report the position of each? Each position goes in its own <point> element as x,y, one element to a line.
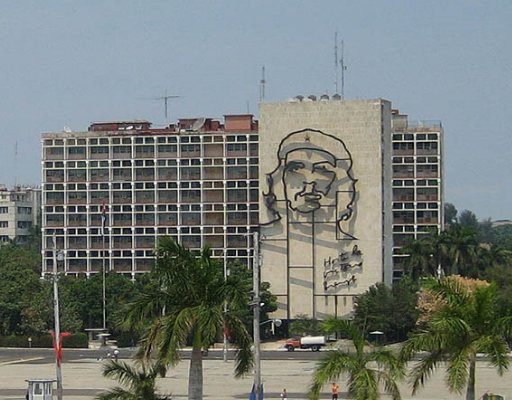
<point>363,379</point>
<point>468,323</point>
<point>420,262</point>
<point>461,244</point>
<point>187,305</point>
<point>140,382</point>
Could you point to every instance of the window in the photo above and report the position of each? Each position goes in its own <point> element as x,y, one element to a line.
<point>4,224</point>
<point>4,210</point>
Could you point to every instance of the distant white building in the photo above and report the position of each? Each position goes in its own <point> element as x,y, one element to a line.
<point>19,211</point>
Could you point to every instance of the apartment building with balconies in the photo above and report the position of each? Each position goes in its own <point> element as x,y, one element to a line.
<point>418,194</point>
<point>196,180</point>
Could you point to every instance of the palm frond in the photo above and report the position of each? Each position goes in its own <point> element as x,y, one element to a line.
<point>329,369</point>
<point>423,370</point>
<point>117,393</point>
<point>457,371</point>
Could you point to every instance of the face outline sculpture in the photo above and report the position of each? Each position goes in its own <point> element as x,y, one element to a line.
<point>308,176</point>
<point>314,174</point>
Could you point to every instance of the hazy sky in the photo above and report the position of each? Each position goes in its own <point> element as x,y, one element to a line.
<point>68,63</point>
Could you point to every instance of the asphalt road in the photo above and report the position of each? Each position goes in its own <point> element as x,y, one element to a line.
<point>45,356</point>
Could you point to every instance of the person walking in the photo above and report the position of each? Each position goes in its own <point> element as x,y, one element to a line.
<point>334,391</point>
<point>284,394</point>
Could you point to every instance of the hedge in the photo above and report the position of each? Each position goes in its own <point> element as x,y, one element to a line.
<point>76,340</point>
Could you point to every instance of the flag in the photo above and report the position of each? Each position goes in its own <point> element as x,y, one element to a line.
<point>58,347</point>
<point>103,219</point>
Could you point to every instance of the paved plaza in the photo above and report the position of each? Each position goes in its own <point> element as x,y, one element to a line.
<point>83,380</point>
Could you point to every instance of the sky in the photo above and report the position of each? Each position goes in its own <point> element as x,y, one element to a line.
<point>69,63</point>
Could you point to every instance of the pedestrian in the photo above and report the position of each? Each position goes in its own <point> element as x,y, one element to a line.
<point>284,395</point>
<point>116,354</point>
<point>334,391</point>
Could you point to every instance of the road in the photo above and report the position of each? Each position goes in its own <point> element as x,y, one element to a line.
<point>46,356</point>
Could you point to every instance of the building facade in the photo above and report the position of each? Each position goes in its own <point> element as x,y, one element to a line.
<point>325,209</point>
<point>196,181</point>
<point>335,188</point>
<point>19,212</point>
<point>418,184</point>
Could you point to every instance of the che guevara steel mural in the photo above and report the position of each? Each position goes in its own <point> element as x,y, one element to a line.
<point>314,179</point>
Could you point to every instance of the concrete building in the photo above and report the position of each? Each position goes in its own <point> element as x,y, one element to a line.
<point>335,187</point>
<point>196,181</point>
<point>19,212</point>
<point>325,212</point>
<point>418,184</point>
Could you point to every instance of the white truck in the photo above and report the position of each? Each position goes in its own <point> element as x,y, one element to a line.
<point>306,342</point>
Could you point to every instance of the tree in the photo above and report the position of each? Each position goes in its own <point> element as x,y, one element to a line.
<point>240,274</point>
<point>363,379</point>
<point>187,304</point>
<point>461,247</point>
<point>391,310</point>
<point>450,214</point>
<point>302,325</point>
<point>465,322</point>
<point>468,219</point>
<point>140,382</point>
<point>420,261</point>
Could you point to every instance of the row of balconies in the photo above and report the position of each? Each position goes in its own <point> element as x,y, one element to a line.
<point>147,242</point>
<point>122,153</point>
<point>153,174</point>
<point>242,195</point>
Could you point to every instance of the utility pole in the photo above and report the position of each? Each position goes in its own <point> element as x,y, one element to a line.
<point>256,316</point>
<point>57,319</point>
<point>225,344</point>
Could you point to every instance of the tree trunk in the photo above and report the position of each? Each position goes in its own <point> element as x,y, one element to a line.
<point>470,392</point>
<point>195,375</point>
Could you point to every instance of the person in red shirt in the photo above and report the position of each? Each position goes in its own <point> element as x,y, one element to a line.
<point>334,391</point>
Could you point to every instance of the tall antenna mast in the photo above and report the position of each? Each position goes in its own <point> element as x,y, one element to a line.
<point>262,84</point>
<point>166,98</point>
<point>16,163</point>
<point>343,69</point>
<point>339,63</point>
<point>336,61</point>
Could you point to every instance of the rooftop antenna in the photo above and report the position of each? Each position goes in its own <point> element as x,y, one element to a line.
<point>16,163</point>
<point>262,84</point>
<point>166,98</point>
<point>339,64</point>
<point>336,62</point>
<point>343,69</point>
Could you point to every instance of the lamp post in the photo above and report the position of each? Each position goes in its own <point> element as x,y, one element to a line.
<point>225,310</point>
<point>256,316</point>
<point>57,318</point>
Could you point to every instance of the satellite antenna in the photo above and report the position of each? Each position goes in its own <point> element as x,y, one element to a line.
<point>262,84</point>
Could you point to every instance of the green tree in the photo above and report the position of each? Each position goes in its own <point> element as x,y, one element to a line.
<point>19,286</point>
<point>302,325</point>
<point>466,324</point>
<point>450,213</point>
<point>241,275</point>
<point>188,304</point>
<point>140,382</point>
<point>359,364</point>
<point>391,310</point>
<point>469,220</point>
